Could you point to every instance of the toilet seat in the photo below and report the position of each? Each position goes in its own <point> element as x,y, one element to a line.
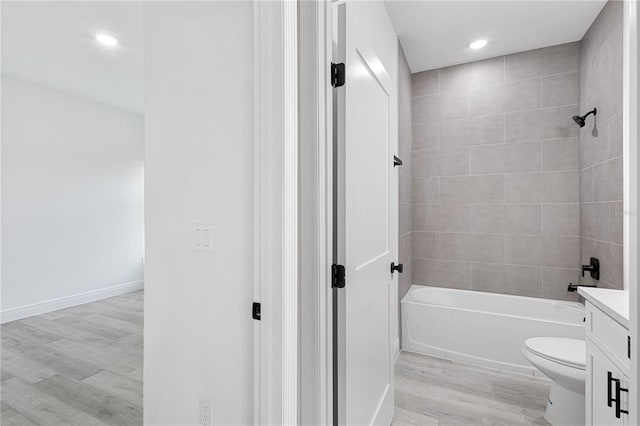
<point>568,352</point>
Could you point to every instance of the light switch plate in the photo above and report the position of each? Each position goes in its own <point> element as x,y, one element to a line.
<point>202,237</point>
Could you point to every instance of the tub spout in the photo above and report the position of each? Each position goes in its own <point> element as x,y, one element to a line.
<point>574,287</point>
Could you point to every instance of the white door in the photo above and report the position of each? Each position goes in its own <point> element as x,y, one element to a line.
<point>368,106</point>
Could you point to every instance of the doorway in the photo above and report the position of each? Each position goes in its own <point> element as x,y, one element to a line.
<point>73,254</point>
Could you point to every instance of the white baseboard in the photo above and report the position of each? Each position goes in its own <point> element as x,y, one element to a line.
<point>39,308</point>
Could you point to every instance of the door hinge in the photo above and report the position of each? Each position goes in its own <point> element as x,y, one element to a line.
<point>629,347</point>
<point>337,74</point>
<point>255,311</point>
<point>396,161</point>
<point>337,276</point>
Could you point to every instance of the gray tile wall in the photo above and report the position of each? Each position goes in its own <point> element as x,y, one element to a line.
<point>601,156</point>
<point>404,152</point>
<point>495,174</point>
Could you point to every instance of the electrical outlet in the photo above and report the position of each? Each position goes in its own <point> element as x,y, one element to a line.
<point>205,411</point>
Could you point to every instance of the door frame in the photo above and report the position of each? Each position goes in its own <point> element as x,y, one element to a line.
<point>292,114</point>
<point>275,205</point>
<point>319,45</point>
<point>631,161</point>
<point>316,135</point>
<point>316,207</point>
<point>315,54</point>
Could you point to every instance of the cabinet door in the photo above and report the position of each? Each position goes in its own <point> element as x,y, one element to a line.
<point>601,392</point>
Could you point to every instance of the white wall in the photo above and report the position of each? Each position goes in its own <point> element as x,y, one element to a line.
<point>199,169</point>
<point>72,199</point>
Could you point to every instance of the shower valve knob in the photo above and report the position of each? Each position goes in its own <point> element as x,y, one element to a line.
<point>399,267</point>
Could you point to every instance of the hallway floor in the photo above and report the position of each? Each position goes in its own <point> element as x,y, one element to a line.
<point>431,391</point>
<point>83,366</point>
<point>76,366</point>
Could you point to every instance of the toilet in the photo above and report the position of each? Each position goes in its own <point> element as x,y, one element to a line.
<point>563,361</point>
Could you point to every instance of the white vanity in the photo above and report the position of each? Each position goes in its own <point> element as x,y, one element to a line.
<point>608,356</point>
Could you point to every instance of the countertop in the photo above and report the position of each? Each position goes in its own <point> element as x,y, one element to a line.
<point>614,303</point>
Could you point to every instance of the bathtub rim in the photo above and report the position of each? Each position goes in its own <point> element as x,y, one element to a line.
<point>577,305</point>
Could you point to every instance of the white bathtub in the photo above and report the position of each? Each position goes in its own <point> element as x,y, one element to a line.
<point>483,328</point>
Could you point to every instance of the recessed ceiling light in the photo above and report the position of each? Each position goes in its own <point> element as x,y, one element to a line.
<point>107,39</point>
<point>478,44</point>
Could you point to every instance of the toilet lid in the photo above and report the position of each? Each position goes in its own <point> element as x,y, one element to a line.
<point>570,352</point>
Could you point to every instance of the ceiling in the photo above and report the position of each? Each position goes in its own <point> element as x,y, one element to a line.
<point>52,43</point>
<point>436,34</point>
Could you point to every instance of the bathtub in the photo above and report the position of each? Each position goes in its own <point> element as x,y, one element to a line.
<point>483,328</point>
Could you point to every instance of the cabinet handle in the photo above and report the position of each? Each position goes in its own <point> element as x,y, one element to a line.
<point>609,395</point>
<point>619,389</point>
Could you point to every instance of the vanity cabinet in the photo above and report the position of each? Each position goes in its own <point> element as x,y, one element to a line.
<point>607,369</point>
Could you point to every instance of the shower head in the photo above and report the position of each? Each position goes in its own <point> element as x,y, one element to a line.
<point>581,120</point>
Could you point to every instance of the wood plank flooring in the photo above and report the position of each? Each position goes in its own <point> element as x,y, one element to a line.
<point>431,391</point>
<point>83,366</point>
<point>77,366</point>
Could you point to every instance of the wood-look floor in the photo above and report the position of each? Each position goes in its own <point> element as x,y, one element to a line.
<point>431,391</point>
<point>78,366</point>
<point>83,366</point>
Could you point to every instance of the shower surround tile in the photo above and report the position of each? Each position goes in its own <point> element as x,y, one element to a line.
<point>406,133</point>
<point>509,97</point>
<point>405,248</point>
<point>616,222</point>
<point>472,247</point>
<point>483,130</point>
<point>607,179</point>
<point>404,224</point>
<point>440,218</point>
<point>443,162</point>
<point>472,74</point>
<point>547,123</point>
<point>614,135</point>
<point>442,273</point>
<point>595,221</point>
<point>496,173</point>
<point>561,90</point>
<point>426,136</point>
<point>561,219</point>
<point>425,190</point>
<point>507,279</point>
<point>543,62</point>
<point>506,218</point>
<point>555,251</point>
<point>442,106</point>
<point>425,245</point>
<point>477,189</point>
<point>424,83</point>
<point>601,153</point>
<point>561,154</point>
<point>404,193</point>
<point>586,185</point>
<point>505,158</point>
<point>610,256</point>
<point>546,187</point>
